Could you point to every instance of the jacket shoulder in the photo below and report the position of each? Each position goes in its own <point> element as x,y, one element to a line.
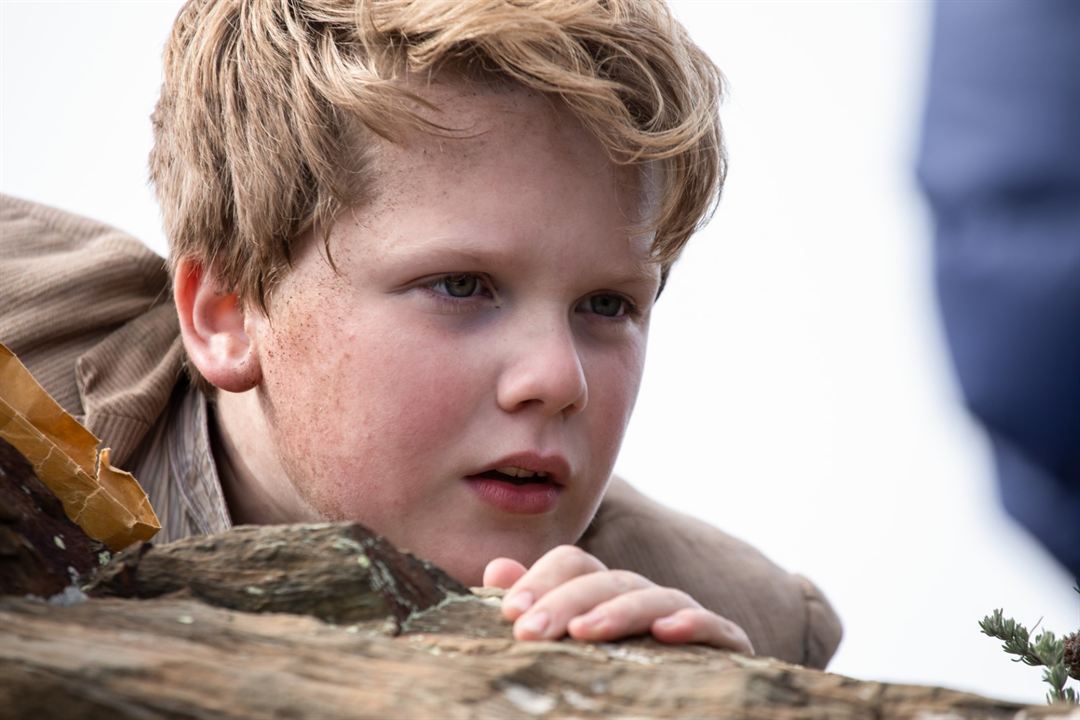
<point>66,282</point>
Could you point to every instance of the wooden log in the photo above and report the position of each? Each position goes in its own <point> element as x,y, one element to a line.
<point>181,658</point>
<point>41,550</point>
<point>329,621</point>
<point>338,572</point>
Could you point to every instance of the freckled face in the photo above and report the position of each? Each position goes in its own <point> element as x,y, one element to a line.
<point>490,302</point>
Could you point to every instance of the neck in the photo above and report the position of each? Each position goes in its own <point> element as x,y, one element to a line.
<point>256,487</point>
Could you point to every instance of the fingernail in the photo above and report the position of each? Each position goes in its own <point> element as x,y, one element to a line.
<point>520,601</point>
<point>533,624</point>
<point>666,623</point>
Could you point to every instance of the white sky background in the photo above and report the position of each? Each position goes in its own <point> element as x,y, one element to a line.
<point>797,394</point>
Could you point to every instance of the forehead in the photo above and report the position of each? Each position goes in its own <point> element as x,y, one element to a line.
<point>513,173</point>
<point>497,127</point>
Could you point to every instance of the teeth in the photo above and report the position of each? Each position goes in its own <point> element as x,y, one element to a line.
<point>519,472</point>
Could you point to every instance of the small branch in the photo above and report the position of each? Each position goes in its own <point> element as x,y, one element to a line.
<point>1058,657</point>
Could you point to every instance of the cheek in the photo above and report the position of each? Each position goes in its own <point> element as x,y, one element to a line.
<point>426,398</point>
<point>362,398</point>
<point>614,380</point>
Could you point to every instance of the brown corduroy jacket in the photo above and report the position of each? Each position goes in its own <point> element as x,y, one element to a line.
<point>88,309</point>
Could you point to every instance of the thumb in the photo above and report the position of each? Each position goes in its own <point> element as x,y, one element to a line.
<point>502,573</point>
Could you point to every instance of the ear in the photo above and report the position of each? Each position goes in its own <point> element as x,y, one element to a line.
<point>214,329</point>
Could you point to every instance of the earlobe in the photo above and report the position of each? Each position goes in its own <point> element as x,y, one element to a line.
<point>214,331</point>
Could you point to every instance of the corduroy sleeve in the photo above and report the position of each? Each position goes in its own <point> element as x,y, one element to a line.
<point>87,308</point>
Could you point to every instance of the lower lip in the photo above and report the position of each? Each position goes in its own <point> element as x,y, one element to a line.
<point>530,499</point>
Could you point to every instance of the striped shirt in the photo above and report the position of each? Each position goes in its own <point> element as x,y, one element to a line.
<point>180,474</point>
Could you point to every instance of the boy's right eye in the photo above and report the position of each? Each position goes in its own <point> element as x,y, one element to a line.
<point>459,285</point>
<point>454,288</point>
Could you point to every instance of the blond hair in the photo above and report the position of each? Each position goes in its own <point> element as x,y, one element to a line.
<point>263,101</point>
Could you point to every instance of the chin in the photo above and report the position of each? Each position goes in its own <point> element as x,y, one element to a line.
<point>466,562</point>
<point>467,573</point>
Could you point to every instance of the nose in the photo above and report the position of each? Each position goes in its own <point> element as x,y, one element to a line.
<point>543,369</point>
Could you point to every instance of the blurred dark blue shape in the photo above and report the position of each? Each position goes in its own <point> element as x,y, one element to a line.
<point>1000,164</point>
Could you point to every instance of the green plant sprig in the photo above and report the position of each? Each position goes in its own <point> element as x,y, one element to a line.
<point>1047,651</point>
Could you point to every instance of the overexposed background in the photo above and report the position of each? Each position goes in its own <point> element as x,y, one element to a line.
<point>797,392</point>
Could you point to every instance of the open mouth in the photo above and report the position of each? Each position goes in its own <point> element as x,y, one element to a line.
<point>525,484</point>
<point>515,476</point>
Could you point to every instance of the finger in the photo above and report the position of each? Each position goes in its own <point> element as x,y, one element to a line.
<point>629,613</point>
<point>698,625</point>
<point>553,570</point>
<point>550,616</point>
<point>502,572</point>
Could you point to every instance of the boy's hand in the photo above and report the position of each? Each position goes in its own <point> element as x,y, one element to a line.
<point>568,591</point>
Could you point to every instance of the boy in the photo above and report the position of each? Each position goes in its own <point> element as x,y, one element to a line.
<point>414,248</point>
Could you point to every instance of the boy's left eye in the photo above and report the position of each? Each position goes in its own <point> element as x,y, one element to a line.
<point>607,305</point>
<point>459,285</point>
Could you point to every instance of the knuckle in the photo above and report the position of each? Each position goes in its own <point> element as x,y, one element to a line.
<point>684,599</point>
<point>701,618</point>
<point>576,558</point>
<point>616,615</point>
<point>625,580</point>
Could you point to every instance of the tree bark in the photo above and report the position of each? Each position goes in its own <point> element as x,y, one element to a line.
<point>329,621</point>
<point>174,657</point>
<point>340,573</point>
<point>41,551</point>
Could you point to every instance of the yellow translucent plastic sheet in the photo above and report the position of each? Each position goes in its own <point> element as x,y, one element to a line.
<point>108,504</point>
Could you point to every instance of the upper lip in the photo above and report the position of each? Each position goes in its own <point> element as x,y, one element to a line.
<point>555,466</point>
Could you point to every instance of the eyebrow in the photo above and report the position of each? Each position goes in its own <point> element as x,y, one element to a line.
<point>446,249</point>
<point>644,277</point>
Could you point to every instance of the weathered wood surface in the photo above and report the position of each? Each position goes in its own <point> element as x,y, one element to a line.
<point>340,573</point>
<point>181,658</point>
<point>329,621</point>
<point>41,551</point>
